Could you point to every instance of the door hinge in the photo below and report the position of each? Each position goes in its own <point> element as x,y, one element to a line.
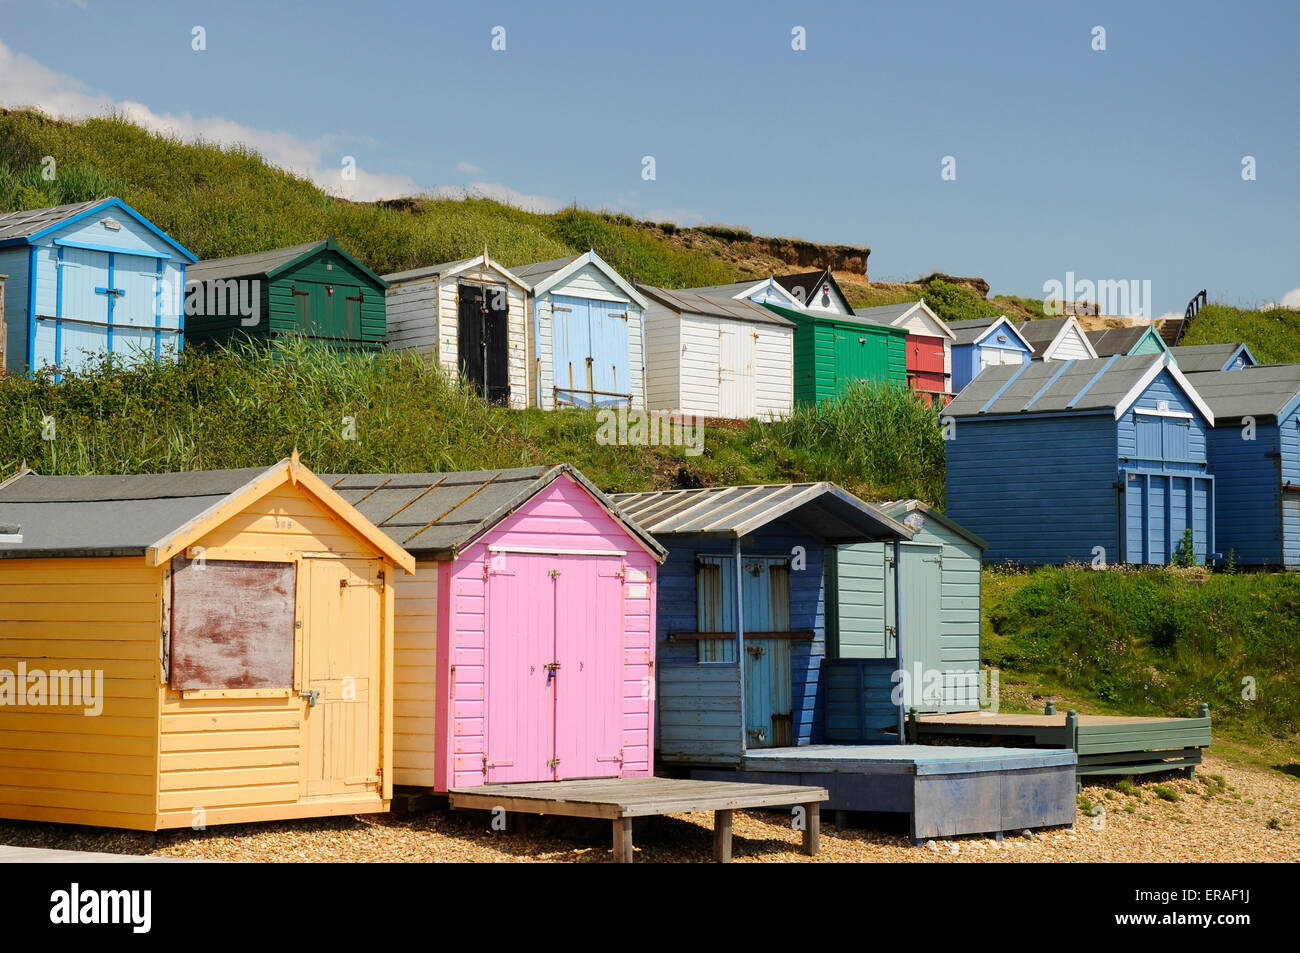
<point>553,573</point>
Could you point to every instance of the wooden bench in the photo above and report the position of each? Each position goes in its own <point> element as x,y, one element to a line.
<point>619,800</point>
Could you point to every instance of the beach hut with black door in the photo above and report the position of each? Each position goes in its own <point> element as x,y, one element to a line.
<point>470,316</point>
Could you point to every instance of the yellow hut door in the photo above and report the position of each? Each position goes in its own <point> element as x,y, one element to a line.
<point>340,689</point>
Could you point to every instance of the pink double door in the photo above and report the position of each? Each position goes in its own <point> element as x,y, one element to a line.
<point>555,692</point>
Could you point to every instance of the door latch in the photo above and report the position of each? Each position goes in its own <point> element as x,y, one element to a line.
<point>755,650</point>
<point>312,695</point>
<point>551,669</point>
<point>552,762</point>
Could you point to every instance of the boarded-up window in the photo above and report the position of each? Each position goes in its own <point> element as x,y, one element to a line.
<point>232,624</point>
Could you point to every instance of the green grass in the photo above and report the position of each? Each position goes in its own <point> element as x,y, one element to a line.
<point>228,201</point>
<point>1154,642</point>
<point>226,409</point>
<point>1273,336</point>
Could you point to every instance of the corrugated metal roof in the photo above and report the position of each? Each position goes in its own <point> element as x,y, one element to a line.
<point>1250,391</point>
<point>109,515</point>
<point>245,266</point>
<point>30,221</point>
<point>436,515</point>
<point>1194,358</point>
<point>1057,385</point>
<point>821,509</point>
<point>1108,341</point>
<point>714,306</point>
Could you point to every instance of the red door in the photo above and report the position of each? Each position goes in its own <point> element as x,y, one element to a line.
<point>925,363</point>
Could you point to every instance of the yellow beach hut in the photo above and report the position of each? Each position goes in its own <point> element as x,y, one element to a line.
<point>191,649</point>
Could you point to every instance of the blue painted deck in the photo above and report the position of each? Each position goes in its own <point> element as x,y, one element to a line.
<point>946,791</point>
<point>911,759</point>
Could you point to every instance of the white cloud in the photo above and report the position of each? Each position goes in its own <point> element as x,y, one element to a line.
<point>468,168</point>
<point>25,82</point>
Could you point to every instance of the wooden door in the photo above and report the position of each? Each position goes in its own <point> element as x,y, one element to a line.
<point>520,703</point>
<point>769,708</point>
<point>588,685</point>
<point>921,590</point>
<point>736,374</point>
<point>342,669</point>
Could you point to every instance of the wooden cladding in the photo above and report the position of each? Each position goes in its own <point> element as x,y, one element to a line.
<point>232,624</point>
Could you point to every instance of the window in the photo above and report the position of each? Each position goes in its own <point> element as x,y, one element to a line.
<point>232,624</point>
<point>765,585</point>
<point>1162,436</point>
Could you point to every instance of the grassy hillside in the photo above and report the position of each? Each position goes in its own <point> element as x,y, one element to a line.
<point>1154,642</point>
<point>216,410</point>
<point>1273,335</point>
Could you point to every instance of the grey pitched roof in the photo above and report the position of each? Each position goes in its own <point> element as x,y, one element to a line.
<point>1108,341</point>
<point>735,288</point>
<point>1251,391</point>
<point>1041,333</point>
<point>1193,358</point>
<point>30,221</point>
<point>821,509</point>
<point>713,305</point>
<point>245,266</point>
<point>436,515</point>
<point>429,271</point>
<point>538,271</point>
<point>1099,384</point>
<point>885,313</point>
<point>968,332</point>
<point>108,515</point>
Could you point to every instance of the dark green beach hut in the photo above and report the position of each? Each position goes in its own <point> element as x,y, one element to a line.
<point>832,351</point>
<point>315,290</point>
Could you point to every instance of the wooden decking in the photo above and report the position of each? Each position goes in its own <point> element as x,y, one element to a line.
<point>1105,744</point>
<point>619,800</point>
<point>945,790</point>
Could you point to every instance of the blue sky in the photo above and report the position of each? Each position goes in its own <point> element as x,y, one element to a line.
<point>1119,164</point>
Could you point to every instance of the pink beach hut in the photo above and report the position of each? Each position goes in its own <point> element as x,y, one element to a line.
<point>524,646</point>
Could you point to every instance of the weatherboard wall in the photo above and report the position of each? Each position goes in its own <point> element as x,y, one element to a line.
<point>1031,506</point>
<point>967,359</point>
<point>1257,501</point>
